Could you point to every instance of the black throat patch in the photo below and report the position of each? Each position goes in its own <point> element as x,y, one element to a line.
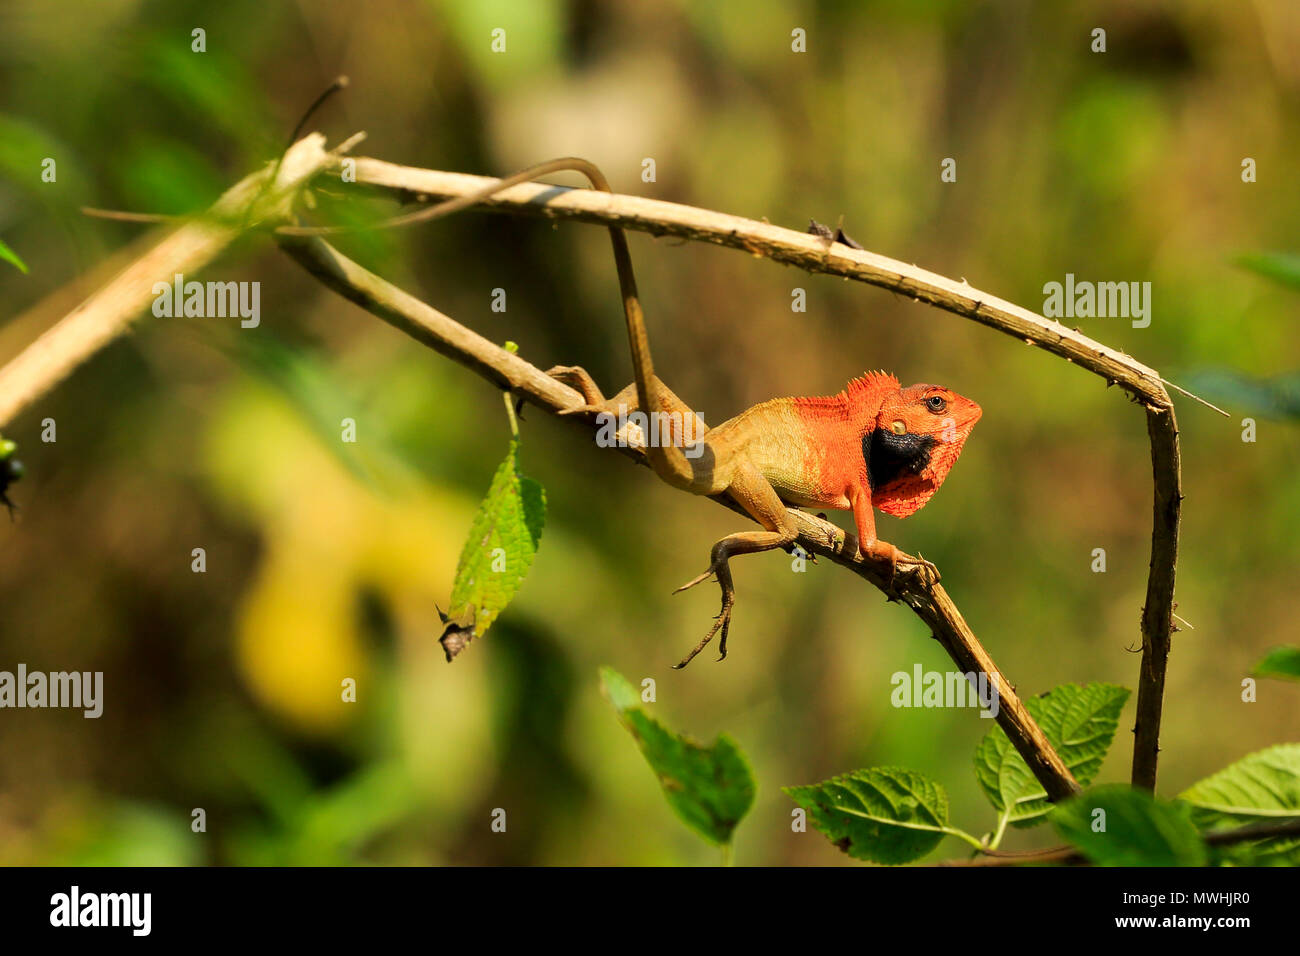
<point>889,456</point>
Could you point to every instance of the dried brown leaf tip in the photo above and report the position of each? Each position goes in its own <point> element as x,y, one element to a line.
<point>455,635</point>
<point>815,228</point>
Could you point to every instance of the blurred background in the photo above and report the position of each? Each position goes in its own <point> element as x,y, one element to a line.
<point>327,561</point>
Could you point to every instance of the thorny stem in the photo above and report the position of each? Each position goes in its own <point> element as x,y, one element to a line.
<point>107,313</point>
<point>820,255</point>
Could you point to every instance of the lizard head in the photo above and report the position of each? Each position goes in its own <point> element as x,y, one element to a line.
<point>917,436</point>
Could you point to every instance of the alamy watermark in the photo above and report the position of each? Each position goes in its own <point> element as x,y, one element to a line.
<point>132,911</point>
<point>1100,300</point>
<point>658,429</point>
<point>209,300</point>
<point>952,689</point>
<point>82,690</point>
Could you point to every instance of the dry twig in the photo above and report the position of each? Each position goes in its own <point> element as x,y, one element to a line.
<point>110,310</point>
<point>928,600</point>
<point>817,255</point>
<point>255,201</point>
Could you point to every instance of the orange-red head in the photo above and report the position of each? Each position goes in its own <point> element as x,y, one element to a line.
<point>918,434</point>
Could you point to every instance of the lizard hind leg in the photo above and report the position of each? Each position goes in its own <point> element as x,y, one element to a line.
<point>752,492</point>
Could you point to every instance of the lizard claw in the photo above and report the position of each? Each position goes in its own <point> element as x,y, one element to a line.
<point>928,572</point>
<point>932,575</point>
<point>578,378</point>
<point>883,551</point>
<point>695,580</point>
<point>579,410</point>
<point>722,622</point>
<point>568,373</point>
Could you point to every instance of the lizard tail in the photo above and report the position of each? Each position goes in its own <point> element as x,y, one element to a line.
<point>666,456</point>
<point>638,340</point>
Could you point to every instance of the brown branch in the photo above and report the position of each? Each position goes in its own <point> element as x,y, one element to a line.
<point>110,310</point>
<point>1157,623</point>
<point>928,600</point>
<point>1069,855</point>
<point>815,254</point>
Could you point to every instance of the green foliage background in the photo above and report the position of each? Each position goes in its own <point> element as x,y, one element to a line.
<point>328,561</point>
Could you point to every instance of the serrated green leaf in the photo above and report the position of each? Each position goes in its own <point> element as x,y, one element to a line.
<point>709,788</point>
<point>497,554</point>
<point>8,255</point>
<point>1118,825</point>
<point>1283,267</point>
<point>882,814</point>
<point>1280,662</point>
<point>1080,722</point>
<point>1263,787</point>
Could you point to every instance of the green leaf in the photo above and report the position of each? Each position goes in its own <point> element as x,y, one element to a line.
<point>1080,722</point>
<point>1281,662</point>
<point>709,788</point>
<point>1139,830</point>
<point>1263,787</point>
<point>8,255</point>
<point>1283,267</point>
<point>497,554</point>
<point>883,814</point>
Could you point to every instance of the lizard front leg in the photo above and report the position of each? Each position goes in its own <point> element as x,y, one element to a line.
<point>870,546</point>
<point>864,518</point>
<point>756,495</point>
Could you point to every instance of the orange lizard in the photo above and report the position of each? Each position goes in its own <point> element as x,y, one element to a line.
<point>873,445</point>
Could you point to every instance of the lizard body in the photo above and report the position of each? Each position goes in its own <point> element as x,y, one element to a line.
<point>874,444</point>
<point>829,452</point>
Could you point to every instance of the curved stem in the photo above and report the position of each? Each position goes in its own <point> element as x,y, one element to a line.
<point>816,254</point>
<point>1003,819</point>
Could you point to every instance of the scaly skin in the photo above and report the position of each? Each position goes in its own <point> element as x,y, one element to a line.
<point>875,442</point>
<point>873,445</point>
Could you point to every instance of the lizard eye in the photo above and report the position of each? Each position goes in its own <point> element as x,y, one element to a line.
<point>898,428</point>
<point>936,403</point>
